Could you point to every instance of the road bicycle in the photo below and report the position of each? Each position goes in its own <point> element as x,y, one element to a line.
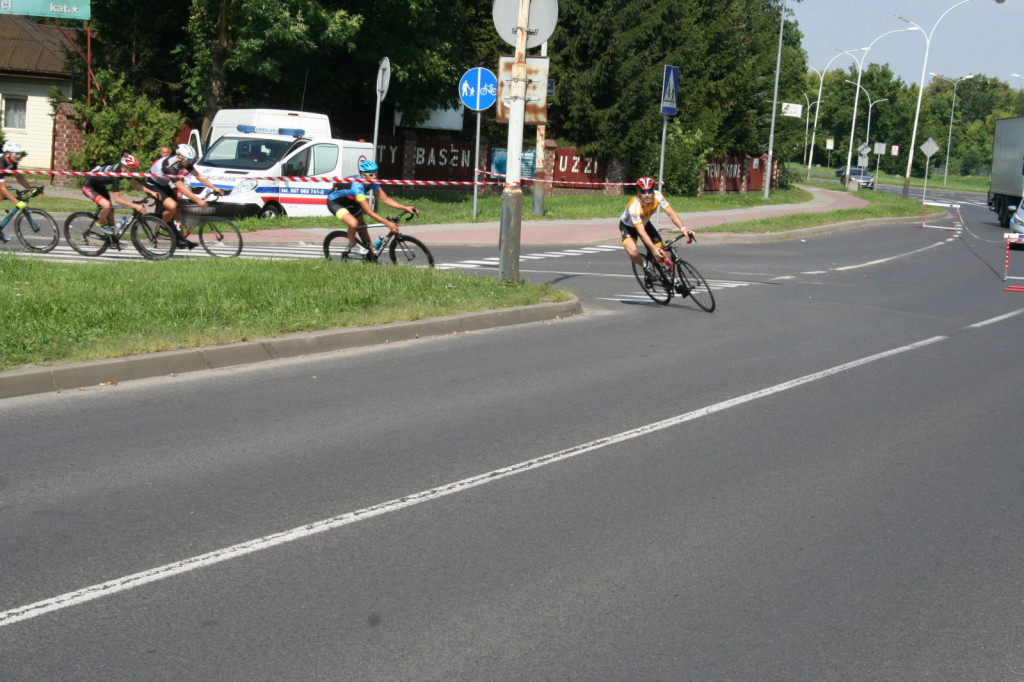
<point>662,279</point>
<point>149,233</point>
<point>401,248</point>
<point>36,229</point>
<point>218,236</point>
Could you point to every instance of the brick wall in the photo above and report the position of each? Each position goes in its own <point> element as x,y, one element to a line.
<point>67,138</point>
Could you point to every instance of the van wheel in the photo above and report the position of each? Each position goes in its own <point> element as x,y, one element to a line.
<point>271,211</point>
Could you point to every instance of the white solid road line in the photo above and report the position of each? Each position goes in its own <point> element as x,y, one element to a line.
<point>128,582</point>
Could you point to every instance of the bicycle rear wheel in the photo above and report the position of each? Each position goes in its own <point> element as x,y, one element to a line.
<point>409,251</point>
<point>697,287</point>
<point>657,286</point>
<point>336,248</point>
<point>83,234</point>
<point>220,237</point>
<point>37,230</point>
<point>153,238</point>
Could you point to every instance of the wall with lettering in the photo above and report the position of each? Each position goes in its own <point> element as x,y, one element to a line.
<point>573,167</point>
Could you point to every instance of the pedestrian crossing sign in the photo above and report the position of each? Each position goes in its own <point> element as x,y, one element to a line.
<point>670,90</point>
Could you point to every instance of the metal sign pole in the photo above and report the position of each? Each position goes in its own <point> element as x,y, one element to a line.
<point>476,164</point>
<point>512,196</point>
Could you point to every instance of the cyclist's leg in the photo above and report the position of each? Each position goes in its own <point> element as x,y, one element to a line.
<point>629,239</point>
<point>102,201</point>
<point>653,233</point>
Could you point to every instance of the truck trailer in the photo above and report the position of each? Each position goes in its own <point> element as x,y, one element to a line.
<point>1006,185</point>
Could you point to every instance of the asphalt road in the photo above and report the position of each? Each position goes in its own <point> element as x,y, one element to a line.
<point>819,481</point>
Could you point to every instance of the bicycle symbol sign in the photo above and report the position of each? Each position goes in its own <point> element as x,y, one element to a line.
<point>478,89</point>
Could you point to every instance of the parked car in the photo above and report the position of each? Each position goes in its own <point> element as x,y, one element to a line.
<point>861,175</point>
<point>1017,219</point>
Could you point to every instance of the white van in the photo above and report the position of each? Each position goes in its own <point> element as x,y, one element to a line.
<point>256,168</point>
<point>226,121</point>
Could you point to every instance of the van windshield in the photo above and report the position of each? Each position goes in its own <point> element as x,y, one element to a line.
<point>248,153</point>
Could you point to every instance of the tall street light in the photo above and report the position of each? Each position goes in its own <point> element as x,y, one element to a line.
<point>871,103</point>
<point>920,89</point>
<point>817,107</point>
<point>856,96</point>
<point>949,140</point>
<point>775,102</point>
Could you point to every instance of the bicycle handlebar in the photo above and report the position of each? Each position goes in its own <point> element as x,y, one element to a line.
<point>408,216</point>
<point>689,240</point>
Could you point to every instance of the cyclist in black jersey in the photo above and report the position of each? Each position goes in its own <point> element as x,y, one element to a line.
<point>12,153</point>
<point>99,189</point>
<point>167,189</point>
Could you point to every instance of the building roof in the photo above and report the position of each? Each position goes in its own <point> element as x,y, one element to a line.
<point>31,49</point>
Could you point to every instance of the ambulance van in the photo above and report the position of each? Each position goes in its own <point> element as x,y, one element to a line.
<point>267,172</point>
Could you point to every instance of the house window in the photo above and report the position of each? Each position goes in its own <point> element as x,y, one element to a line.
<point>14,112</point>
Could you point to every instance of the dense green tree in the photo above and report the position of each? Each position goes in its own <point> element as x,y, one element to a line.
<point>122,120</point>
<point>609,57</point>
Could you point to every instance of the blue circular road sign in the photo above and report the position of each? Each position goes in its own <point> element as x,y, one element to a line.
<point>478,89</point>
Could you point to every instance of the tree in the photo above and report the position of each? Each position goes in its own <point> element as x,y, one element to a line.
<point>122,121</point>
<point>247,38</point>
<point>610,78</point>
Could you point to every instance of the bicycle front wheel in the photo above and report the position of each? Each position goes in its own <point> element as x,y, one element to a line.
<point>83,234</point>
<point>656,285</point>
<point>220,237</point>
<point>696,286</point>
<point>409,251</point>
<point>336,248</point>
<point>153,238</point>
<point>37,230</point>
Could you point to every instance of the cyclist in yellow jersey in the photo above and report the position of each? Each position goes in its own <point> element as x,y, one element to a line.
<point>636,221</point>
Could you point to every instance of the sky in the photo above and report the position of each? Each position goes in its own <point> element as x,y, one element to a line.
<point>979,37</point>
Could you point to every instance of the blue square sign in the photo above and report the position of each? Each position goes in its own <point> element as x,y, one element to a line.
<point>670,90</point>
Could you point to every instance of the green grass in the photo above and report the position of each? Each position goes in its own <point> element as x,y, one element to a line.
<point>54,312</point>
<point>960,183</point>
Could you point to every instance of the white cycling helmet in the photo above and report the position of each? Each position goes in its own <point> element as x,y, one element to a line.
<point>186,152</point>
<point>12,147</point>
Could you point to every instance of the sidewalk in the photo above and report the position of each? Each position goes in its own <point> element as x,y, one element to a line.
<point>109,372</point>
<point>588,231</point>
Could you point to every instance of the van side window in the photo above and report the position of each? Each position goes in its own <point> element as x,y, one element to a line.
<point>297,165</point>
<point>325,159</point>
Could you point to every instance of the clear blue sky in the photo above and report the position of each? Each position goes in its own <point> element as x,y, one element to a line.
<point>980,36</point>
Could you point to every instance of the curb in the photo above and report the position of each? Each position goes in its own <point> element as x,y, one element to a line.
<point>77,375</point>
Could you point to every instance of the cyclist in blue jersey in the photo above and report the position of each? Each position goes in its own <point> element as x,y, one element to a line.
<point>352,205</point>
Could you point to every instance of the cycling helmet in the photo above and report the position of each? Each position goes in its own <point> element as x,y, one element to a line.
<point>367,167</point>
<point>645,184</point>
<point>186,152</point>
<point>129,161</point>
<point>12,147</point>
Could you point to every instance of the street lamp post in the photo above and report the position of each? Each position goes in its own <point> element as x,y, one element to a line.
<point>949,140</point>
<point>856,96</point>
<point>871,103</point>
<point>920,89</point>
<point>775,102</point>
<point>817,107</point>
<point>807,121</point>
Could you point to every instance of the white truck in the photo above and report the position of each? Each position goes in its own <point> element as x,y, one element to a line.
<point>267,169</point>
<point>1006,185</point>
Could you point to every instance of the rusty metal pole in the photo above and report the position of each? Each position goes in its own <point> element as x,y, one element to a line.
<point>512,196</point>
<point>539,175</point>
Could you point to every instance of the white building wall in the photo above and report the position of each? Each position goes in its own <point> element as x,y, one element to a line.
<point>37,135</point>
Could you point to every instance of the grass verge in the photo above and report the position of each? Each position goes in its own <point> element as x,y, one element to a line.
<point>53,312</point>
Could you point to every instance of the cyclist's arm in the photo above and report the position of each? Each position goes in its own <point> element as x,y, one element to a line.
<point>365,205</point>
<point>383,196</point>
<point>676,220</point>
<point>116,196</point>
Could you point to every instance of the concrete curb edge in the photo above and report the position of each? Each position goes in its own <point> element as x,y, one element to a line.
<point>77,375</point>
